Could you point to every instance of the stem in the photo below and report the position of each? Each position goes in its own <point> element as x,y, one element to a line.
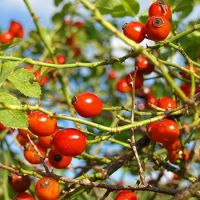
<point>39,30</point>
<point>132,140</point>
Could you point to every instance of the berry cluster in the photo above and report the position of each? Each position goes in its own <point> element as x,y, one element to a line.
<point>157,27</point>
<point>15,30</point>
<point>61,144</point>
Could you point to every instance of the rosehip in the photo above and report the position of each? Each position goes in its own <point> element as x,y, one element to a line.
<point>32,156</point>
<point>138,80</point>
<point>16,29</point>
<point>87,104</point>
<point>19,183</point>
<point>163,131</point>
<point>122,86</point>
<point>41,124</point>
<point>126,195</point>
<point>23,196</point>
<point>176,155</point>
<point>135,31</point>
<point>157,28</point>
<point>187,76</point>
<point>37,75</point>
<point>112,75</point>
<point>61,59</point>
<point>47,189</point>
<point>151,100</point>
<point>2,127</point>
<point>58,160</point>
<point>171,146</point>
<point>70,142</point>
<point>166,103</point>
<point>160,10</point>
<point>6,37</point>
<point>143,65</point>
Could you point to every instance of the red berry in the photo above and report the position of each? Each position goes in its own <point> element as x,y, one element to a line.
<point>187,87</point>
<point>2,127</point>
<point>122,86</point>
<point>41,124</point>
<point>176,155</point>
<point>76,52</point>
<point>61,59</point>
<point>78,24</point>
<point>135,31</point>
<point>70,142</point>
<point>143,65</point>
<point>157,28</point>
<point>26,133</point>
<point>71,41</point>
<point>47,189</point>
<point>126,195</point>
<point>37,75</point>
<point>166,103</point>
<point>160,10</point>
<point>87,104</point>
<point>21,139</point>
<point>58,160</point>
<point>19,183</point>
<point>151,100</point>
<point>187,76</point>
<point>6,37</point>
<point>16,29</point>
<point>163,131</point>
<point>138,79</point>
<point>175,145</point>
<point>23,196</point>
<point>112,75</point>
<point>31,155</point>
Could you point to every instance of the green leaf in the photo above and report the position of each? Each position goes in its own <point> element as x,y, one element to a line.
<point>6,69</point>
<point>132,7</point>
<point>22,80</point>
<point>57,2</point>
<point>12,118</point>
<point>118,8</point>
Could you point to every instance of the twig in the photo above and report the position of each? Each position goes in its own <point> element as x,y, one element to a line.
<point>132,137</point>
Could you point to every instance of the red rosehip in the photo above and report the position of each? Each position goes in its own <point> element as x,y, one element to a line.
<point>46,141</point>
<point>187,76</point>
<point>57,160</point>
<point>135,31</point>
<point>19,183</point>
<point>151,100</point>
<point>122,86</point>
<point>78,24</point>
<point>23,196</point>
<point>144,65</point>
<point>76,52</point>
<point>61,59</point>
<point>172,146</point>
<point>186,88</point>
<point>16,29</point>
<point>112,75</point>
<point>138,79</point>
<point>37,75</point>
<point>32,156</point>
<point>47,189</point>
<point>6,37</point>
<point>176,155</point>
<point>70,142</point>
<point>41,124</point>
<point>160,10</point>
<point>87,104</point>
<point>2,127</point>
<point>166,103</point>
<point>163,131</point>
<point>126,195</point>
<point>157,28</point>
<point>71,41</point>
